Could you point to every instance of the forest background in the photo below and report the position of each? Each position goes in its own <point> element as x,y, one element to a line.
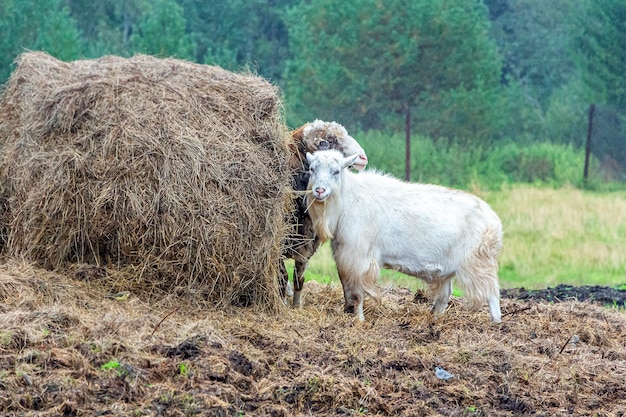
<point>490,95</point>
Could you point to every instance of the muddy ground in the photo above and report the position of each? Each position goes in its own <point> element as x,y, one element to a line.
<point>66,349</point>
<point>593,293</point>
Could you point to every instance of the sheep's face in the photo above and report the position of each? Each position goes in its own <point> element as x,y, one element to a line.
<point>320,136</point>
<point>326,168</point>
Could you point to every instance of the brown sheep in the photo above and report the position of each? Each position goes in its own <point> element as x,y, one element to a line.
<point>302,243</point>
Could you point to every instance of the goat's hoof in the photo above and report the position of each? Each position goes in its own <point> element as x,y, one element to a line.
<point>297,299</point>
<point>288,289</point>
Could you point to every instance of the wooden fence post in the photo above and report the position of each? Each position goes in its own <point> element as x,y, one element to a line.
<point>588,145</point>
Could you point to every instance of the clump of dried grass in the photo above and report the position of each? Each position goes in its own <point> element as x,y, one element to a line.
<point>171,175</point>
<point>57,332</point>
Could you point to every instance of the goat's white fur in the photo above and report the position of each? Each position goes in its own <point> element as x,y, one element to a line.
<point>427,231</point>
<point>303,243</point>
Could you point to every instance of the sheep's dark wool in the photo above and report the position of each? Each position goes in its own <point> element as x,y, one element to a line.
<point>303,242</point>
<point>171,175</point>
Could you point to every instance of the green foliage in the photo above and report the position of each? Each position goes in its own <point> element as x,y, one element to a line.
<point>112,364</point>
<point>465,116</point>
<point>540,162</point>
<point>162,31</point>
<point>534,38</point>
<point>107,25</point>
<point>505,162</point>
<point>36,25</point>
<point>436,162</point>
<point>239,33</point>
<point>183,369</point>
<point>601,47</point>
<point>58,35</point>
<point>473,75</point>
<point>566,117</point>
<point>372,60</point>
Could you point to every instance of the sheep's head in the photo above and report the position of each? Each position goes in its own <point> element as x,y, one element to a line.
<point>325,168</point>
<point>319,135</point>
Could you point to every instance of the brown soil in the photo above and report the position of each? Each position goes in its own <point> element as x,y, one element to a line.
<point>66,349</point>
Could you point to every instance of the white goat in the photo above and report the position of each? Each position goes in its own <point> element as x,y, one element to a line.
<point>302,243</point>
<point>427,231</point>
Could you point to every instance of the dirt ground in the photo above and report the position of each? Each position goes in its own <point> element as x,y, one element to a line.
<point>595,293</point>
<point>67,349</point>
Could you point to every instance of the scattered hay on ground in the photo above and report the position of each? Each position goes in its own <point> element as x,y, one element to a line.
<point>170,174</point>
<point>65,348</point>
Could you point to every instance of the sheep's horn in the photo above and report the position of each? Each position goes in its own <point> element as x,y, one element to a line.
<point>298,134</point>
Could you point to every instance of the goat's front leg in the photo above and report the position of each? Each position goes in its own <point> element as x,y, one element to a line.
<point>358,297</point>
<point>442,297</point>
<point>353,296</point>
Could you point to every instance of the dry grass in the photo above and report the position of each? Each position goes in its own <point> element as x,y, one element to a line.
<point>67,349</point>
<point>561,235</point>
<point>172,175</point>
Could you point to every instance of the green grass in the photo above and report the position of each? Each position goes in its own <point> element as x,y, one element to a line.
<point>561,236</point>
<point>551,237</point>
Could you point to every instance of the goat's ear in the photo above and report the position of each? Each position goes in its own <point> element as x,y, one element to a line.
<point>349,160</point>
<point>309,157</point>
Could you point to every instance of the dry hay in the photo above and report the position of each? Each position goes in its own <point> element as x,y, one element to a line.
<point>171,175</point>
<point>66,349</point>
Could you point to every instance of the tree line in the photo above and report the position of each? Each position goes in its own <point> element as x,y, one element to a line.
<point>467,73</point>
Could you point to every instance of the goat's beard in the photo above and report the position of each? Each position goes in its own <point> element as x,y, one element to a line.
<point>317,211</point>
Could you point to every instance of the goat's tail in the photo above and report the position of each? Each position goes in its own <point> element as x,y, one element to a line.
<point>478,275</point>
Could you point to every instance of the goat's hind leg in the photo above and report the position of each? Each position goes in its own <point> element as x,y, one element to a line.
<point>493,295</point>
<point>354,298</point>
<point>303,253</point>
<point>494,308</point>
<point>481,285</point>
<point>298,280</point>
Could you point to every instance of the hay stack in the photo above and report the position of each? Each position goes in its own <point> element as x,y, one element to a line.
<point>172,172</point>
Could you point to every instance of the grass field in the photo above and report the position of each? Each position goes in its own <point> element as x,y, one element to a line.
<point>551,236</point>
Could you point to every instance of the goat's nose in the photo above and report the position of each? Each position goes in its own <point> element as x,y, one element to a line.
<point>363,158</point>
<point>320,190</point>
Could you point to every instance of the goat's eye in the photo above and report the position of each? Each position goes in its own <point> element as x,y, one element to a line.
<point>312,169</point>
<point>323,145</point>
<point>336,173</point>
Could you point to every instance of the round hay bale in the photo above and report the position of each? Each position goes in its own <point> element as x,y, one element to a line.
<point>173,172</point>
